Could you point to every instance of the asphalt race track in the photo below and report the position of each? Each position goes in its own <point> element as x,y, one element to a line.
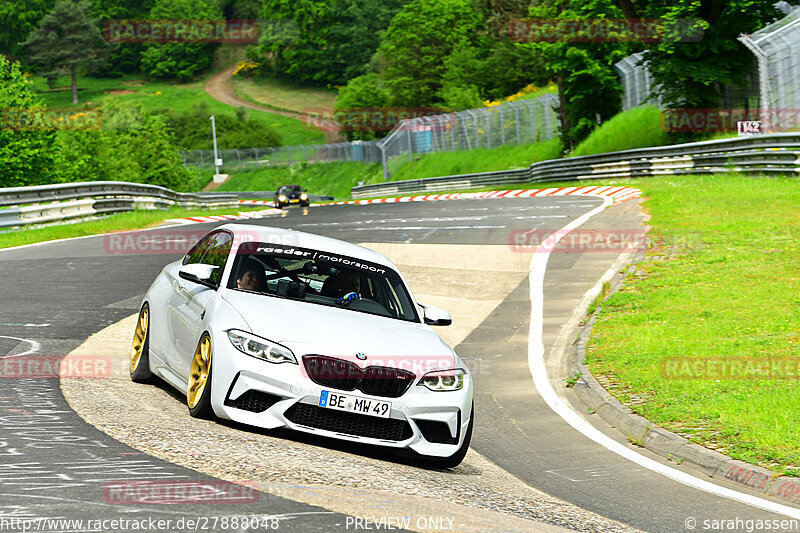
<point>54,464</point>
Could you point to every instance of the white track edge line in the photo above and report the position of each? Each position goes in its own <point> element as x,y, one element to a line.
<point>539,375</point>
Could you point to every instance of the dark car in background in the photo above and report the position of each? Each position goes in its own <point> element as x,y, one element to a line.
<point>289,195</point>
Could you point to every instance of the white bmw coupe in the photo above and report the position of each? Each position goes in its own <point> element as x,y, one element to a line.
<point>277,328</point>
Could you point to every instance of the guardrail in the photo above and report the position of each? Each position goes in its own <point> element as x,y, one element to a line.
<point>43,204</point>
<point>776,153</point>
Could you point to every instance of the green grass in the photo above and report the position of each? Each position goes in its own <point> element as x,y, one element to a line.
<point>283,96</point>
<point>638,128</point>
<point>478,160</point>
<point>116,222</point>
<point>162,96</point>
<point>336,179</point>
<point>723,283</point>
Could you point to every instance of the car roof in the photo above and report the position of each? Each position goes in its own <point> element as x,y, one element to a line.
<point>289,237</point>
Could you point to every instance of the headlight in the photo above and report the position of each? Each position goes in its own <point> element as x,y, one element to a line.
<point>444,380</point>
<point>259,348</point>
<point>304,196</point>
<point>282,198</point>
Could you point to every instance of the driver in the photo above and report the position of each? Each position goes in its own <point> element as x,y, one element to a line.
<point>251,276</point>
<point>341,285</point>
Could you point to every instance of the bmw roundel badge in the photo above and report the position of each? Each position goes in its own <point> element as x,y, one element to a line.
<point>361,357</point>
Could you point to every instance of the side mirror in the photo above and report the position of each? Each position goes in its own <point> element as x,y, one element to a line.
<point>199,273</point>
<point>435,316</point>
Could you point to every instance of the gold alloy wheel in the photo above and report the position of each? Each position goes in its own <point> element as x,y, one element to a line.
<point>139,338</point>
<point>198,374</point>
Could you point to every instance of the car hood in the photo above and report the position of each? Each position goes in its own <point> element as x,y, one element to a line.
<point>308,328</point>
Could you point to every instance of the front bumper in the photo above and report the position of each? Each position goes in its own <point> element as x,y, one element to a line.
<point>267,395</point>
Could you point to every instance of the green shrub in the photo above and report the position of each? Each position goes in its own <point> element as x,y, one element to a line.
<point>192,130</point>
<point>131,146</point>
<point>28,154</point>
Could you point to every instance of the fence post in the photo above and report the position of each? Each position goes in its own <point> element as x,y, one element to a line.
<point>488,130</point>
<point>516,120</point>
<point>408,139</point>
<point>384,163</point>
<point>547,117</point>
<point>452,123</point>
<point>239,157</point>
<point>501,110</point>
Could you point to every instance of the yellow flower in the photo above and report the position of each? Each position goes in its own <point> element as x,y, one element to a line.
<point>158,92</point>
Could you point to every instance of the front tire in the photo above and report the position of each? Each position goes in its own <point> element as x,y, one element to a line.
<point>456,459</point>
<point>140,350</point>
<point>198,394</point>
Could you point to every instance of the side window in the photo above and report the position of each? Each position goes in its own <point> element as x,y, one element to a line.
<point>195,255</point>
<point>217,254</point>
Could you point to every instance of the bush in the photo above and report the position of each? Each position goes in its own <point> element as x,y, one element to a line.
<point>638,128</point>
<point>28,154</point>
<point>192,130</point>
<point>131,146</point>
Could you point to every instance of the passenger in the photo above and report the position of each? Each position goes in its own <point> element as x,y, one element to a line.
<point>251,276</point>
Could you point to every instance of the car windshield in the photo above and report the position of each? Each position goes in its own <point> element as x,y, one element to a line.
<point>289,189</point>
<point>321,278</point>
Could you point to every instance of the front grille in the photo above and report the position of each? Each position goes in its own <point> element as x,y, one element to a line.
<point>346,375</point>
<point>349,423</point>
<point>254,401</point>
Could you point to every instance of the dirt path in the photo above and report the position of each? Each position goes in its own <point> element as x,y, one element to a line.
<point>219,88</point>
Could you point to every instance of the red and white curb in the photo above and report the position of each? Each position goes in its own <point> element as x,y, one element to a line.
<point>617,194</point>
<point>221,218</point>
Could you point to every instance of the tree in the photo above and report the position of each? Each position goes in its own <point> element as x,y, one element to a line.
<point>324,41</point>
<point>588,86</point>
<point>356,104</point>
<point>132,146</point>
<point>419,39</point>
<point>28,153</point>
<point>691,72</point>
<point>66,40</point>
<point>17,19</point>
<point>459,88</point>
<point>180,60</point>
<point>122,58</point>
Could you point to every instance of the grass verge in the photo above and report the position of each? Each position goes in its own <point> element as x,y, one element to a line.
<point>638,128</point>
<point>721,285</point>
<point>336,179</point>
<point>116,222</point>
<point>283,96</point>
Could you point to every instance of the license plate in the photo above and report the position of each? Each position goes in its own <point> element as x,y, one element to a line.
<point>294,201</point>
<point>354,404</point>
